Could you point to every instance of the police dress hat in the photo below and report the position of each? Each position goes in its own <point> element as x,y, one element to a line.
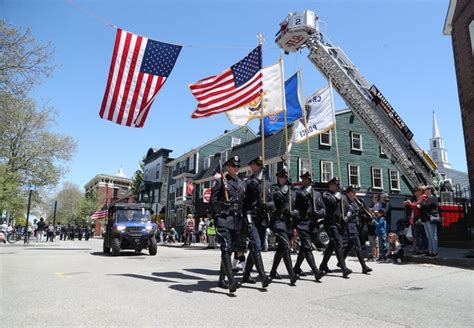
<point>351,188</point>
<point>334,180</point>
<point>283,173</point>
<point>257,160</point>
<point>306,175</point>
<point>234,161</point>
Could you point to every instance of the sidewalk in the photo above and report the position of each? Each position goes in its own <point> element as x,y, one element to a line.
<point>462,258</point>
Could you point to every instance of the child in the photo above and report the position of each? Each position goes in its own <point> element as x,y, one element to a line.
<point>381,229</point>
<point>395,250</point>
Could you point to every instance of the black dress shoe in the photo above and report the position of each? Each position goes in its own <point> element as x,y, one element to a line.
<point>233,287</point>
<point>293,280</point>
<point>346,273</point>
<point>300,272</point>
<point>275,276</point>
<point>319,275</point>
<point>223,284</point>
<point>366,270</point>
<point>265,282</point>
<point>249,280</point>
<point>325,269</point>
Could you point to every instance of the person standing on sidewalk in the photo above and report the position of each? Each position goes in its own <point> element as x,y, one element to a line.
<point>430,215</point>
<point>190,237</point>
<point>41,225</point>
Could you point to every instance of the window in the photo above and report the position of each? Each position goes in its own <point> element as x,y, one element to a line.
<point>225,155</point>
<point>377,182</point>
<point>207,162</point>
<point>191,163</point>
<point>394,180</point>
<point>235,141</point>
<point>158,170</point>
<point>356,141</point>
<point>326,171</point>
<point>303,166</point>
<point>434,144</point>
<point>179,188</point>
<point>325,139</point>
<point>354,176</point>
<point>381,151</point>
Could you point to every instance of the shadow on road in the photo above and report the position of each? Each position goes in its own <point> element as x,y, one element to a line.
<point>138,276</point>
<point>206,272</point>
<point>175,275</point>
<point>122,254</point>
<point>201,286</point>
<point>57,249</point>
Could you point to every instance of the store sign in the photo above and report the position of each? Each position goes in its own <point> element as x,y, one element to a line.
<point>380,100</point>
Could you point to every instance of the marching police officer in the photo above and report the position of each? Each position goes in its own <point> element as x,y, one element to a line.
<point>332,201</point>
<point>304,204</point>
<point>227,197</point>
<point>257,219</point>
<point>352,217</point>
<point>281,225</point>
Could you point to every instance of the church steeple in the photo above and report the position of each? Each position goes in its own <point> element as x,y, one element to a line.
<point>437,150</point>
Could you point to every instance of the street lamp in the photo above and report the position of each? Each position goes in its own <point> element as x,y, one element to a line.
<point>31,188</point>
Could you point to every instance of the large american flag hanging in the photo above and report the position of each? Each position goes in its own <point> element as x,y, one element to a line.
<point>233,88</point>
<point>138,70</point>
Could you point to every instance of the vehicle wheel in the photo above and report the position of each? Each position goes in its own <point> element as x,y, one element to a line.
<point>106,249</point>
<point>322,238</point>
<point>115,246</point>
<point>153,247</point>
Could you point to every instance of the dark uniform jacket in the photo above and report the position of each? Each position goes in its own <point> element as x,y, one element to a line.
<point>333,211</point>
<point>253,201</point>
<point>306,199</point>
<point>229,214</point>
<point>352,212</point>
<point>281,218</point>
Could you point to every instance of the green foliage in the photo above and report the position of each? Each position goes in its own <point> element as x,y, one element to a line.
<point>138,178</point>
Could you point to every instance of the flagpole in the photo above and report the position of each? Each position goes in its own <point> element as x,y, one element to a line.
<point>283,97</point>
<point>337,145</point>
<point>305,123</point>
<point>264,187</point>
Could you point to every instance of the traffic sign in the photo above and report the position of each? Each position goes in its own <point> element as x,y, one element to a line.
<point>206,195</point>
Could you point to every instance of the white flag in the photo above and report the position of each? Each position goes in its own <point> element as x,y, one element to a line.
<point>272,98</point>
<point>319,114</point>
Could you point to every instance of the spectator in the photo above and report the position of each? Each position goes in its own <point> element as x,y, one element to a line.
<point>430,218</point>
<point>200,229</point>
<point>40,227</point>
<point>395,250</point>
<point>50,232</point>
<point>172,236</point>
<point>373,241</point>
<point>190,237</point>
<point>204,231</point>
<point>420,240</point>
<point>161,228</point>
<point>211,232</point>
<point>381,229</point>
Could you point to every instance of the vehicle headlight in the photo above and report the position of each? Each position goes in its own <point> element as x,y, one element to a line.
<point>120,228</point>
<point>149,227</point>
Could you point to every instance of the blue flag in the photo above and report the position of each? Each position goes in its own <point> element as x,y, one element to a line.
<point>293,108</point>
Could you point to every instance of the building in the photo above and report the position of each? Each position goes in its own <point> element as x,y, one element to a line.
<point>362,162</point>
<point>439,153</point>
<point>459,24</point>
<point>184,169</point>
<point>155,182</point>
<point>109,189</point>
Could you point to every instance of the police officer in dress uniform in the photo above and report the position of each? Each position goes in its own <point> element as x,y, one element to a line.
<point>332,203</point>
<point>304,204</point>
<point>227,198</point>
<point>353,213</point>
<point>256,220</point>
<point>281,224</point>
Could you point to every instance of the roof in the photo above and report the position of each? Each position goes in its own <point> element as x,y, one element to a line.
<point>449,18</point>
<point>111,177</point>
<point>209,172</point>
<point>195,150</point>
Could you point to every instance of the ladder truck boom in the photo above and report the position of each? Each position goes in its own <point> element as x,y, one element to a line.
<point>300,30</point>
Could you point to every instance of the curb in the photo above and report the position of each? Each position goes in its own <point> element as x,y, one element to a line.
<point>465,263</point>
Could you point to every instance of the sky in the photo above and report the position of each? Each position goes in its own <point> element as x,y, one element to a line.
<point>397,45</point>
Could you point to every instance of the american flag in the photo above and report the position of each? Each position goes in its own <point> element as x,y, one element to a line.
<point>100,214</point>
<point>233,88</point>
<point>138,70</point>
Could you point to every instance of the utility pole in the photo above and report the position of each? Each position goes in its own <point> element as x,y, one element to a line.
<point>28,217</point>
<point>54,218</point>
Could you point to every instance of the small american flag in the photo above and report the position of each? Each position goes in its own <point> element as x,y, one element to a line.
<point>233,88</point>
<point>100,214</point>
<point>138,70</point>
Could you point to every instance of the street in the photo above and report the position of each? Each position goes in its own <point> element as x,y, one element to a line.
<point>74,284</point>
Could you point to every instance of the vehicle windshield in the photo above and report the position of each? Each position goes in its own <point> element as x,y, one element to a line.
<point>138,215</point>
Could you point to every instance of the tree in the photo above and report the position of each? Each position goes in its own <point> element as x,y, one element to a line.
<point>23,61</point>
<point>138,178</point>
